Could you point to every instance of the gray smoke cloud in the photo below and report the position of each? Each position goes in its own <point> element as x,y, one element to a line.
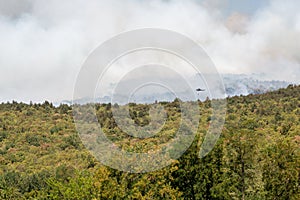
<point>44,43</point>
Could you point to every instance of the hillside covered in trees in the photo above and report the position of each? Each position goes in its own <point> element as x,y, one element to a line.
<point>256,157</point>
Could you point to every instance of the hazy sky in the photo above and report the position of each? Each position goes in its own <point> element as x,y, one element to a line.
<point>43,43</point>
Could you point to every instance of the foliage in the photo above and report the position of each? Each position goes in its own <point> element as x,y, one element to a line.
<point>256,157</point>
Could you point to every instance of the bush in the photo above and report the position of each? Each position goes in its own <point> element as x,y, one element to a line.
<point>3,135</point>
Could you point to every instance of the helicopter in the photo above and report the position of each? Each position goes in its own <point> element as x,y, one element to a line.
<point>200,90</point>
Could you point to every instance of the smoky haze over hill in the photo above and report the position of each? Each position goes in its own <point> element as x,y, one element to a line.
<point>235,85</point>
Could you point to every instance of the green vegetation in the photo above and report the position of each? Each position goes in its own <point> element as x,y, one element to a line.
<point>256,157</point>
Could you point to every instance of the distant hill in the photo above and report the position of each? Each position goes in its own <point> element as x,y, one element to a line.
<point>235,85</point>
<point>242,84</point>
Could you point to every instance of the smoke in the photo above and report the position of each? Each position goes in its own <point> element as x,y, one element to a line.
<point>44,43</point>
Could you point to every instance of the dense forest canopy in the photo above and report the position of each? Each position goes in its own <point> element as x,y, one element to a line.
<point>256,157</point>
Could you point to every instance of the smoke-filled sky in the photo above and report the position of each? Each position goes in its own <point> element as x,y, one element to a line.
<point>43,43</point>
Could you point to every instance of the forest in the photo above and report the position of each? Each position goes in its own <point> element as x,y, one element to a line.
<point>256,157</point>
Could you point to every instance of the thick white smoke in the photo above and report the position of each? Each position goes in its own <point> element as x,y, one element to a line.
<point>43,43</point>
